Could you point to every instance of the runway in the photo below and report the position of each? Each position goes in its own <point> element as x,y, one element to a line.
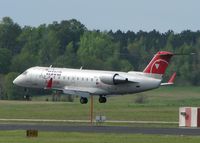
<point>102,129</point>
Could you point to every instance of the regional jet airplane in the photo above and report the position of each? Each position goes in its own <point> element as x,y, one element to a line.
<point>85,83</point>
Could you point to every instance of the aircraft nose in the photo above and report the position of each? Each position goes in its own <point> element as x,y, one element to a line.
<point>17,80</point>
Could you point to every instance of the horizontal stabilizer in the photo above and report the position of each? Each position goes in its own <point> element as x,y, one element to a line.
<point>171,80</point>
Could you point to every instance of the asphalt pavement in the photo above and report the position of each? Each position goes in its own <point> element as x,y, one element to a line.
<point>102,129</point>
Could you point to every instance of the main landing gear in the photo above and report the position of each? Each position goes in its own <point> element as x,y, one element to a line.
<point>102,99</point>
<point>84,100</point>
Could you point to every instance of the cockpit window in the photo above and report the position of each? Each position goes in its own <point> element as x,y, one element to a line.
<point>25,73</point>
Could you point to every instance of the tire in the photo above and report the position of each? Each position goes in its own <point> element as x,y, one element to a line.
<point>83,100</point>
<point>102,99</point>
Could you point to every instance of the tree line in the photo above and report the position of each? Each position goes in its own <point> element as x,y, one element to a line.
<point>70,44</point>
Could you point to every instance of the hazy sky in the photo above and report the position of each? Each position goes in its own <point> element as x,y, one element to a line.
<point>134,15</point>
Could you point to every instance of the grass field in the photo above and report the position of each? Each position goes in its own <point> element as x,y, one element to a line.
<point>160,105</point>
<point>66,137</point>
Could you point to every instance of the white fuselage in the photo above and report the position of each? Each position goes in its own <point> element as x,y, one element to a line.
<point>86,81</point>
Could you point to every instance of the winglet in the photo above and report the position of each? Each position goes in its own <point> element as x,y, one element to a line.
<point>49,84</point>
<point>171,80</point>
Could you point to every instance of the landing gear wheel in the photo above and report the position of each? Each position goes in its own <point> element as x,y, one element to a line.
<point>102,99</point>
<point>83,100</point>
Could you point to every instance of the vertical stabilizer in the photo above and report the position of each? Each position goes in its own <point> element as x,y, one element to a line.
<point>159,63</point>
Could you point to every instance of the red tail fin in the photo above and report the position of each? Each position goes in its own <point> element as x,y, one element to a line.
<point>159,63</point>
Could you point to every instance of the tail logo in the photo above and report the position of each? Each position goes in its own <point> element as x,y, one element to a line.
<point>159,66</point>
<point>159,63</point>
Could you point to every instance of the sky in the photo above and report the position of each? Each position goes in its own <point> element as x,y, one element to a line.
<point>134,15</point>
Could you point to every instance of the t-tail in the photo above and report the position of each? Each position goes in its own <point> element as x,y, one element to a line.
<point>158,65</point>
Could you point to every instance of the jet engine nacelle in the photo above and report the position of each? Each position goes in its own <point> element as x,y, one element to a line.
<point>113,79</point>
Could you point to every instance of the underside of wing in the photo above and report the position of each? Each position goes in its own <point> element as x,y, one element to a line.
<point>83,92</point>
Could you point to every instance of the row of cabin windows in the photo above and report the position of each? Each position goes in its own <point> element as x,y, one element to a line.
<point>77,78</point>
<point>81,79</point>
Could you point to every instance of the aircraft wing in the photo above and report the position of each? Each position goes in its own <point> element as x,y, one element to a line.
<point>83,92</point>
<point>80,91</point>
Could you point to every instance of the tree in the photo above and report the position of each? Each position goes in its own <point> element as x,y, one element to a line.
<point>23,61</point>
<point>138,55</point>
<point>94,49</point>
<point>68,59</point>
<point>9,31</point>
<point>49,48</point>
<point>5,60</point>
<point>11,91</point>
<point>67,31</point>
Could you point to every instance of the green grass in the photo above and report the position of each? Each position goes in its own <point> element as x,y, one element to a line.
<point>66,137</point>
<point>161,105</point>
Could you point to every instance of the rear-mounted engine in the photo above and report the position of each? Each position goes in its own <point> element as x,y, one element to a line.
<point>113,79</point>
